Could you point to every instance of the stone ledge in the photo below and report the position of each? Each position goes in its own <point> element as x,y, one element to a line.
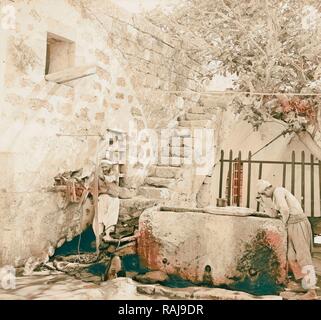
<point>71,74</point>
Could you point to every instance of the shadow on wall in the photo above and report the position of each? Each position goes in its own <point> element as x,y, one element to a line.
<point>84,243</point>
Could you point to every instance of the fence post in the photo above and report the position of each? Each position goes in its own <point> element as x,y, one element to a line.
<point>260,177</point>
<point>303,180</point>
<point>229,178</point>
<point>293,173</point>
<point>221,174</point>
<point>312,185</point>
<point>249,180</point>
<point>239,179</point>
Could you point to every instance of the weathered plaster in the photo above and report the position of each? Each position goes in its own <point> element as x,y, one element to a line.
<point>44,125</point>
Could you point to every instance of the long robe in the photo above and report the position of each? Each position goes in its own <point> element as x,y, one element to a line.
<point>300,237</point>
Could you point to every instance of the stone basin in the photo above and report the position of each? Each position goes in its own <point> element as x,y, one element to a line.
<point>215,246</point>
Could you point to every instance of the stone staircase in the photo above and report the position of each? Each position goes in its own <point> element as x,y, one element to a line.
<point>172,181</point>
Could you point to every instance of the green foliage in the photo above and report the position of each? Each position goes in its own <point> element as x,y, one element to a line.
<point>272,46</point>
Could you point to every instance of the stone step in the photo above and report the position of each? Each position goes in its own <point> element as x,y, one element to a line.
<point>152,170</point>
<point>138,202</point>
<point>181,132</point>
<point>193,129</point>
<point>160,182</point>
<point>165,134</point>
<point>154,193</point>
<point>211,110</point>
<point>197,110</point>
<point>171,161</point>
<point>196,123</point>
<point>203,110</point>
<point>167,172</point>
<point>132,208</point>
<point>193,116</point>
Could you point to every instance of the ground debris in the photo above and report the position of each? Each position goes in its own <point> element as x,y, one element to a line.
<point>122,231</point>
<point>290,295</point>
<point>152,277</point>
<point>200,293</point>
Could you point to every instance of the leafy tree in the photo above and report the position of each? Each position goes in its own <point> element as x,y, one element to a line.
<point>273,47</point>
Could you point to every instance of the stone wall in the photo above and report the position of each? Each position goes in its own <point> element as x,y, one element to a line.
<point>155,63</point>
<point>49,128</point>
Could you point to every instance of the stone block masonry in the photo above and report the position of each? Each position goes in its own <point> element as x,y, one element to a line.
<point>49,127</point>
<point>154,61</point>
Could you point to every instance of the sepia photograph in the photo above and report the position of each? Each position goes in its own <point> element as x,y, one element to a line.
<point>160,151</point>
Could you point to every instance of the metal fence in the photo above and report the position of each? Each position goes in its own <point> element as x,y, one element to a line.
<point>302,173</point>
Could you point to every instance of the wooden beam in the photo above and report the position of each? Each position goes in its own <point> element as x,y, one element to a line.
<point>71,74</point>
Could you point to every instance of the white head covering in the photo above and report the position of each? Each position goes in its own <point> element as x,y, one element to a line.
<point>262,185</point>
